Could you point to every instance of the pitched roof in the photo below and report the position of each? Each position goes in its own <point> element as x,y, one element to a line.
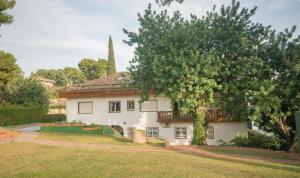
<point>117,81</point>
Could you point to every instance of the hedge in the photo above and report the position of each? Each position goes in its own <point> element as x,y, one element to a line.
<point>23,114</point>
<point>53,118</point>
<point>20,114</point>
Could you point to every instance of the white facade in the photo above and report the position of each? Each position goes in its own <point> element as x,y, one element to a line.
<point>100,114</point>
<point>225,131</point>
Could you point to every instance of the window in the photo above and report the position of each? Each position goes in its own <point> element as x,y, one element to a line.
<point>210,132</point>
<point>152,132</point>
<point>115,106</point>
<point>130,131</point>
<point>130,105</point>
<point>85,107</point>
<point>148,106</point>
<point>180,132</point>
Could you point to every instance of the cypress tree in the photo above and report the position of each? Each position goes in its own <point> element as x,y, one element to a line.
<point>111,65</point>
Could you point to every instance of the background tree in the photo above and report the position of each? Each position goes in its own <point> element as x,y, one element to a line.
<point>9,70</point>
<point>90,68</point>
<point>69,76</point>
<point>45,73</point>
<point>102,64</point>
<point>93,69</point>
<point>30,91</point>
<point>4,17</point>
<point>111,64</point>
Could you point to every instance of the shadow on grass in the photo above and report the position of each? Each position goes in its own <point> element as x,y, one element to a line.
<point>271,165</point>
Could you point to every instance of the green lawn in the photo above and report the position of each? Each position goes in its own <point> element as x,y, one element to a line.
<point>100,130</point>
<point>251,152</point>
<point>34,160</point>
<point>95,139</point>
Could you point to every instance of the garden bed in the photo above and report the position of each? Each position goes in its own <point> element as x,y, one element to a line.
<point>5,133</point>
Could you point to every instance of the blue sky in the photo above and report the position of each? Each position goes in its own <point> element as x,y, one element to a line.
<point>58,33</point>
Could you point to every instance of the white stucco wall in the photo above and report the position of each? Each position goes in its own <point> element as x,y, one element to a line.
<point>125,119</point>
<point>141,120</point>
<point>226,130</point>
<point>168,133</point>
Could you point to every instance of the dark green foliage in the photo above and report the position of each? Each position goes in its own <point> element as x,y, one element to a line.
<point>258,140</point>
<point>167,2</point>
<point>4,17</point>
<point>20,114</point>
<point>111,63</point>
<point>48,118</point>
<point>199,131</point>
<point>9,70</point>
<point>93,69</point>
<point>30,91</point>
<point>101,130</point>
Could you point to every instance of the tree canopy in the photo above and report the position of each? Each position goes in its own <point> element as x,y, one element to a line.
<point>9,70</point>
<point>248,64</point>
<point>5,5</point>
<point>93,69</point>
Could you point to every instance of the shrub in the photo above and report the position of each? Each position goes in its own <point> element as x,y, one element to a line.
<point>258,140</point>
<point>240,140</point>
<point>20,114</point>
<point>53,118</point>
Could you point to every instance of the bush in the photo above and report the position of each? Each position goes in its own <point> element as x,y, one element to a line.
<point>20,114</point>
<point>53,118</point>
<point>258,140</point>
<point>240,140</point>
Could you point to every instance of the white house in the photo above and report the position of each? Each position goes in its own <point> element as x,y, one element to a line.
<point>112,101</point>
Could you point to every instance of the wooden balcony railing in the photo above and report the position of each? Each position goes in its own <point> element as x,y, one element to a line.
<point>177,116</point>
<point>174,116</point>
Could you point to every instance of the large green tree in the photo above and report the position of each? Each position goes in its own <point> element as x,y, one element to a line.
<point>111,63</point>
<point>224,51</point>
<point>168,62</point>
<point>93,69</point>
<point>4,17</point>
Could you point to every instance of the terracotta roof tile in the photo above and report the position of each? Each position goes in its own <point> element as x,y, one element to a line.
<point>117,81</point>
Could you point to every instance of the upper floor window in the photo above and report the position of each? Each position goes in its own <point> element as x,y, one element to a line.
<point>149,106</point>
<point>130,105</point>
<point>85,107</point>
<point>115,106</point>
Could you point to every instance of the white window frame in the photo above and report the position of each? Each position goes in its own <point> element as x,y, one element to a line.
<point>180,132</point>
<point>151,133</point>
<point>85,102</point>
<point>114,108</point>
<point>130,105</point>
<point>130,131</point>
<point>210,132</point>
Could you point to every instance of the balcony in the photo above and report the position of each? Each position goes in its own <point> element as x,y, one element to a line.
<point>179,117</point>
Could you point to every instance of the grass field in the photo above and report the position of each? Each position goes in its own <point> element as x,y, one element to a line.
<point>34,160</point>
<point>95,139</point>
<point>100,130</point>
<point>251,152</point>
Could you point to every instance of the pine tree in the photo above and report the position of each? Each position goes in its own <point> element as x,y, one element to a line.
<point>111,65</point>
